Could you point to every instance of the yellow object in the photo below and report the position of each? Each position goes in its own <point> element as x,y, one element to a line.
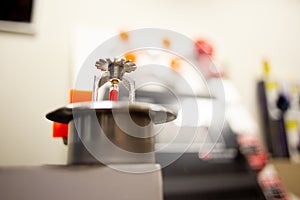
<point>266,67</point>
<point>114,81</point>
<point>291,125</point>
<point>271,85</point>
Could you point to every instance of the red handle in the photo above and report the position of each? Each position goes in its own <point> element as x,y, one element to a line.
<point>61,130</point>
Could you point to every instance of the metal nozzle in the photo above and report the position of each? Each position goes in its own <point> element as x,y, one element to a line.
<point>114,71</point>
<point>116,68</point>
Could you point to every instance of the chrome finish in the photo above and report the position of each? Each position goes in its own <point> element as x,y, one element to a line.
<point>158,114</point>
<point>114,71</point>
<point>117,68</point>
<point>111,132</point>
<point>109,138</point>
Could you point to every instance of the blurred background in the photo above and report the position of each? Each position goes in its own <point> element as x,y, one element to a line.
<point>37,62</point>
<point>255,44</point>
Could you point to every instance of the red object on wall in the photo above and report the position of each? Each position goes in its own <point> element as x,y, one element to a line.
<point>203,47</point>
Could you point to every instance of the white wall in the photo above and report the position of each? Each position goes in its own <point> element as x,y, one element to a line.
<point>33,81</point>
<point>35,70</point>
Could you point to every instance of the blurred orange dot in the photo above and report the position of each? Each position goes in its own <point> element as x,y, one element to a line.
<point>130,56</point>
<point>124,35</point>
<point>166,42</point>
<point>175,64</point>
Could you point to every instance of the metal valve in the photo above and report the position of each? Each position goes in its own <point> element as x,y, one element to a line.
<point>114,71</point>
<point>117,68</point>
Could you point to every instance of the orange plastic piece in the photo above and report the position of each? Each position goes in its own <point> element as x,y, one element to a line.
<point>80,96</point>
<point>61,130</point>
<point>130,56</point>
